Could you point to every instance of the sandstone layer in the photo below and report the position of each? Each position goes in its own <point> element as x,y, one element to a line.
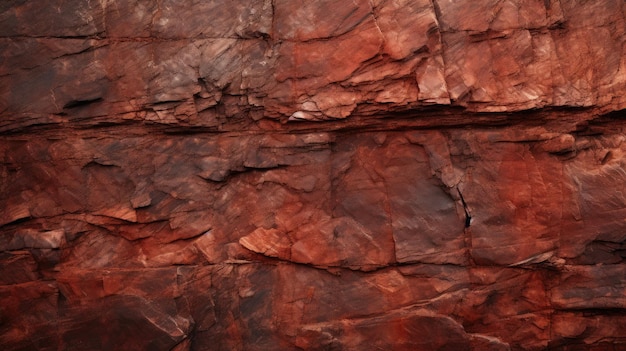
<point>312,175</point>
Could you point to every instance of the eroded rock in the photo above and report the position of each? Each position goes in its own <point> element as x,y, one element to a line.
<point>276,175</point>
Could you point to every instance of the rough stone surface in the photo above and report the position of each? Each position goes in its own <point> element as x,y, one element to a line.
<point>312,175</point>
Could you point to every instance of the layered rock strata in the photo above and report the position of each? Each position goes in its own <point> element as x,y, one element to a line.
<point>324,175</point>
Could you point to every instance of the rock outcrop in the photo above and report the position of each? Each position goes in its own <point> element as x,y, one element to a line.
<point>313,175</point>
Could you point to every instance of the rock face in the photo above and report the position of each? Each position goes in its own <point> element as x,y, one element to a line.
<point>315,175</point>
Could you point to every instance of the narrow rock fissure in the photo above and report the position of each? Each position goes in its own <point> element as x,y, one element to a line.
<point>468,215</point>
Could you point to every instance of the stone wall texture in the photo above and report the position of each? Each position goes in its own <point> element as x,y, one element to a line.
<point>313,175</point>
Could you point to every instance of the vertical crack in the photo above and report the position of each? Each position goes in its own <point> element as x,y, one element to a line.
<point>437,13</point>
<point>54,101</point>
<point>375,19</point>
<point>389,213</point>
<point>467,231</point>
<point>272,33</point>
<point>466,209</point>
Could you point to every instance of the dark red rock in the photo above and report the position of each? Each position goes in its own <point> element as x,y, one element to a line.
<point>277,175</point>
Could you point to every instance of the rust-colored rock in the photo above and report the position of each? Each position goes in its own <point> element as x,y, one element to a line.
<point>322,175</point>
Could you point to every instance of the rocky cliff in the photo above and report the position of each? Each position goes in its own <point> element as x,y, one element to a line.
<point>312,175</point>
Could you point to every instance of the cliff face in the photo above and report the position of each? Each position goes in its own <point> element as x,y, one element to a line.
<point>316,175</point>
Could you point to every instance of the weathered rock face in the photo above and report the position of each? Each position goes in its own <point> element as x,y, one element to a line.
<point>320,175</point>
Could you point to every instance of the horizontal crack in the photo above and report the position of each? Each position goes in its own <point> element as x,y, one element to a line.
<point>448,117</point>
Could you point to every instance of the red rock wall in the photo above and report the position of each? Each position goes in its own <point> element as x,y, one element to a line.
<point>314,175</point>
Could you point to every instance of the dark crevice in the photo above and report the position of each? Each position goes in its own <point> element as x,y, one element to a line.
<point>186,239</point>
<point>468,215</point>
<point>98,163</point>
<point>81,103</point>
<point>422,118</point>
<point>596,311</point>
<point>17,221</point>
<point>612,116</point>
<point>164,105</point>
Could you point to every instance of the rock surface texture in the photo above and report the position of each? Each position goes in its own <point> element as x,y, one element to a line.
<point>313,175</point>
